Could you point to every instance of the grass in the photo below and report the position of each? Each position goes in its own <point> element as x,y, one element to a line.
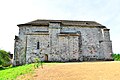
<point>13,72</point>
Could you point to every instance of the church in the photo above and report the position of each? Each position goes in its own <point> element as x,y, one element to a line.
<point>62,41</point>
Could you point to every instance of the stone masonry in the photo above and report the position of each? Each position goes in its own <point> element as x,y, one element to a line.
<point>62,40</point>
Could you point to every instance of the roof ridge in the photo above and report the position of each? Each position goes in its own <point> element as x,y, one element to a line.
<point>39,22</point>
<point>62,20</point>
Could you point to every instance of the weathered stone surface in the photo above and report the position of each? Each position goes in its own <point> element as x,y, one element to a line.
<point>57,42</point>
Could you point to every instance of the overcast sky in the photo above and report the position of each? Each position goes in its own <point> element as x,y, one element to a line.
<point>13,12</point>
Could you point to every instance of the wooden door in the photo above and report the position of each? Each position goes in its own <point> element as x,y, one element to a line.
<point>46,57</point>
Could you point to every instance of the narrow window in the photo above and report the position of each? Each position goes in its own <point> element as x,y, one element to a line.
<point>38,45</point>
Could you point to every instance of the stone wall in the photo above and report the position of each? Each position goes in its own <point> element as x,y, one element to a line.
<point>61,43</point>
<point>90,38</point>
<point>32,51</point>
<point>54,30</point>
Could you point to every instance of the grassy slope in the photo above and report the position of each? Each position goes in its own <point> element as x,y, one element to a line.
<point>12,73</point>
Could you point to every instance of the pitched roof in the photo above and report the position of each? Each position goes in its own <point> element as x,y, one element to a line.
<point>41,22</point>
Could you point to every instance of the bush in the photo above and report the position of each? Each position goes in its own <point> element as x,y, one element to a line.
<point>4,58</point>
<point>38,63</point>
<point>116,57</point>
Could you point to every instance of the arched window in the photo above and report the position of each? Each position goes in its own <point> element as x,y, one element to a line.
<point>38,46</point>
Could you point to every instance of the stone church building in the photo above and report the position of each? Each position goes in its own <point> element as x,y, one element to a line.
<point>62,40</point>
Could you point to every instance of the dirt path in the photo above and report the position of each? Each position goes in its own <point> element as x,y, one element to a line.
<point>77,71</point>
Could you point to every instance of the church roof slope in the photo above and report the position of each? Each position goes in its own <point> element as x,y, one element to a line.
<point>40,22</point>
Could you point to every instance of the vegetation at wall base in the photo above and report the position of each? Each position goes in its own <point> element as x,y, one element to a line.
<point>116,57</point>
<point>12,73</point>
<point>38,63</point>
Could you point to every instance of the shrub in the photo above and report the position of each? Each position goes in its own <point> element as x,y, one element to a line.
<point>4,58</point>
<point>38,63</point>
<point>116,57</point>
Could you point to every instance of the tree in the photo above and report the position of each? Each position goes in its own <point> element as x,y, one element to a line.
<point>4,58</point>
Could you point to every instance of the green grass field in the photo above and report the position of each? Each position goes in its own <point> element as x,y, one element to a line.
<point>13,72</point>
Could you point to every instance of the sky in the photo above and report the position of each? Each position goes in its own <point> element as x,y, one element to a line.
<point>13,12</point>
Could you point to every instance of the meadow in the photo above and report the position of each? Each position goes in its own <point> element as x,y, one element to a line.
<point>11,73</point>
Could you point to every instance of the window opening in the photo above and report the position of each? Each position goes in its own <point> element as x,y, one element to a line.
<point>38,45</point>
